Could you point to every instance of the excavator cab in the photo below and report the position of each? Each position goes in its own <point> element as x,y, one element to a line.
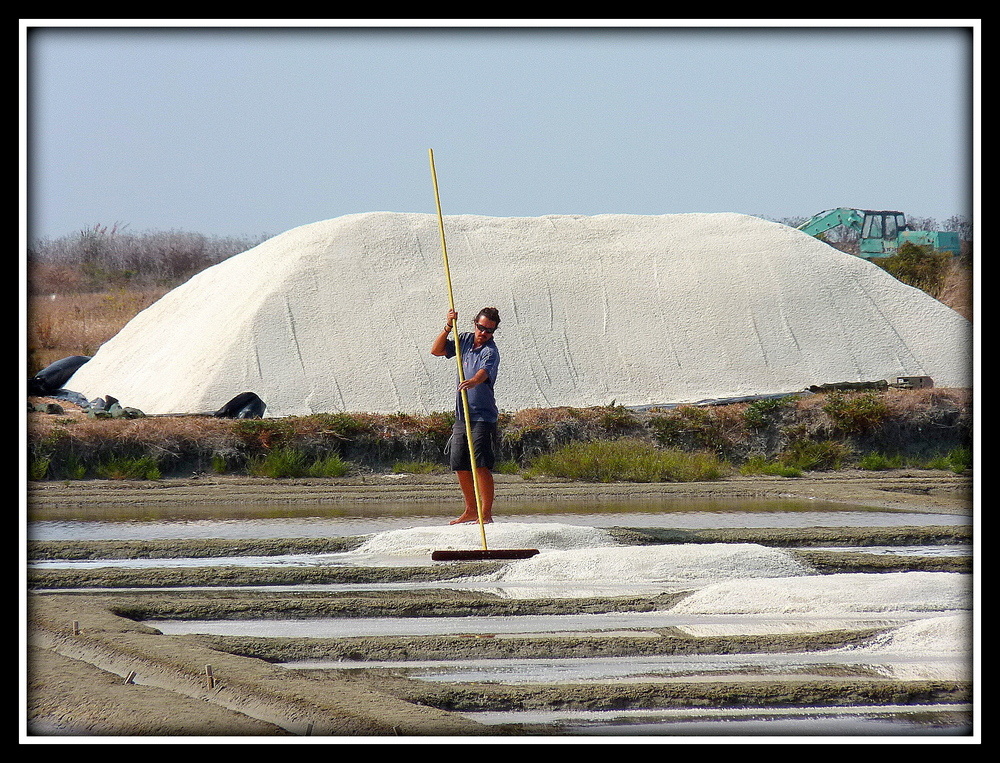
<point>880,232</point>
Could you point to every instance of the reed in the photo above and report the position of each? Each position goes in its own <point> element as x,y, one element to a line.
<point>291,462</point>
<point>958,460</point>
<point>627,460</point>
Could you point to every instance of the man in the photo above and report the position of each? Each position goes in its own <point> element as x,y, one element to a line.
<point>480,362</point>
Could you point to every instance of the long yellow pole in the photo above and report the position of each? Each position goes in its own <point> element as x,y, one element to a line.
<point>458,357</point>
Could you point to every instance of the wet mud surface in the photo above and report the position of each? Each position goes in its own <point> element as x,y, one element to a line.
<point>902,489</point>
<point>98,665</point>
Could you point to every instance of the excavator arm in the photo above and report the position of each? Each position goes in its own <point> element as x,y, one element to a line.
<point>831,218</point>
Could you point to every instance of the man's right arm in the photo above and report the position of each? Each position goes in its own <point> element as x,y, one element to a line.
<point>440,346</point>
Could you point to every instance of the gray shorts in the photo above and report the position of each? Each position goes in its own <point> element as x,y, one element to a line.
<point>485,439</point>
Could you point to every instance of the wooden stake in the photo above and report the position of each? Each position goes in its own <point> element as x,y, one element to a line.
<point>209,677</point>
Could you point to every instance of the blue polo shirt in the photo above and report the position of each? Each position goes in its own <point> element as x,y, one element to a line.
<point>482,403</point>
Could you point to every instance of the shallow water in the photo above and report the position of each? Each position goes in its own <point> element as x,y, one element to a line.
<point>881,721</point>
<point>522,625</point>
<point>959,549</point>
<point>856,662</point>
<point>249,522</point>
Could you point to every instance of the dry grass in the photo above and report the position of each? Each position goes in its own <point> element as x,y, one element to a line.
<point>162,432</point>
<point>907,403</point>
<point>60,325</point>
<point>957,290</point>
<point>533,419</point>
<point>902,403</point>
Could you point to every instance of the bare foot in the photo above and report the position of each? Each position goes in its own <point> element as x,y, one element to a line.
<point>467,517</point>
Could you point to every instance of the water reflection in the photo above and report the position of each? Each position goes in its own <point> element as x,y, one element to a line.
<point>242,521</point>
<point>531,625</point>
<point>661,668</point>
<point>889,720</point>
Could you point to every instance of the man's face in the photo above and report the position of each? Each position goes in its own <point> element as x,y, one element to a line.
<point>484,330</point>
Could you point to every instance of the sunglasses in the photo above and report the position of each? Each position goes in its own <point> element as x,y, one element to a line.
<point>484,329</point>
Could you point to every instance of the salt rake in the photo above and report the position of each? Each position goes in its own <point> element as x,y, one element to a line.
<point>447,555</point>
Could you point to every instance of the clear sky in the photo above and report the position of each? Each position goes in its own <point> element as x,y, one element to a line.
<point>243,131</point>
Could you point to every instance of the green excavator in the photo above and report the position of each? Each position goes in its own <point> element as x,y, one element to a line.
<point>881,232</point>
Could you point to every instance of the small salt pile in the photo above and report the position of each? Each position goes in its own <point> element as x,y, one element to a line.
<point>833,594</point>
<point>951,635</point>
<point>689,565</point>
<point>935,648</point>
<point>422,541</point>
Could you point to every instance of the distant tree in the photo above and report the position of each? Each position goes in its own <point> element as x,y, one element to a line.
<point>791,222</point>
<point>107,257</point>
<point>961,224</point>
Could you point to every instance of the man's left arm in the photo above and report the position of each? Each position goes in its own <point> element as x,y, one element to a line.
<point>486,372</point>
<point>481,376</point>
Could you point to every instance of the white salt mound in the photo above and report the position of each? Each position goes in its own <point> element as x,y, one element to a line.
<point>339,315</point>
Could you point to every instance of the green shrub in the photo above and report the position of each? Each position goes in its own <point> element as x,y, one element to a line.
<point>124,468</point>
<point>291,462</point>
<point>958,461</point>
<point>38,467</point>
<point>760,465</point>
<point>856,414</point>
<point>760,412</point>
<point>689,426</point>
<point>507,466</point>
<point>627,460</point>
<point>880,462</point>
<point>265,432</point>
<point>616,418</point>
<point>73,468</point>
<point>342,424</point>
<point>279,462</point>
<point>918,266</point>
<point>329,466</point>
<point>813,456</point>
